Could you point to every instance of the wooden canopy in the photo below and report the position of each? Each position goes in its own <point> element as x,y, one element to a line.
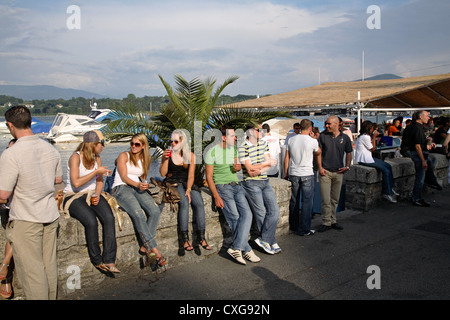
<point>425,92</point>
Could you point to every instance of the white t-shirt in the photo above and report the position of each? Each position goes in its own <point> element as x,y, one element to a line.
<point>362,150</point>
<point>301,155</point>
<point>275,150</point>
<point>133,173</point>
<point>90,185</point>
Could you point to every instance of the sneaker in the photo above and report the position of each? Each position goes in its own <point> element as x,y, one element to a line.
<point>251,256</point>
<point>276,248</point>
<point>389,198</point>
<point>421,203</point>
<point>237,255</point>
<point>337,226</point>
<point>395,193</point>
<point>309,233</point>
<point>264,245</point>
<point>324,228</point>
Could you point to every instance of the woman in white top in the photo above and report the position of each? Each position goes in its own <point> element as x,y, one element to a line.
<point>365,144</point>
<point>129,188</point>
<point>83,200</point>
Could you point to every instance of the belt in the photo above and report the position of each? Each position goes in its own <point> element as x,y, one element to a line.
<point>233,184</point>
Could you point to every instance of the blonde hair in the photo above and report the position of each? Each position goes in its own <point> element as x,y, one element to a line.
<point>185,150</point>
<point>144,155</point>
<point>87,153</point>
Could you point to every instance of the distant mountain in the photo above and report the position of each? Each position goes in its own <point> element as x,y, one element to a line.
<point>44,92</point>
<point>384,76</point>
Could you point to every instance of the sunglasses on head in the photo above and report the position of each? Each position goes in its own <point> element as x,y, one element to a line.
<point>136,144</point>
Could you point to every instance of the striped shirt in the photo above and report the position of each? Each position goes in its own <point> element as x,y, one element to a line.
<point>248,151</point>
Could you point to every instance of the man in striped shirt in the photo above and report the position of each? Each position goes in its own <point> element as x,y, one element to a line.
<point>254,155</point>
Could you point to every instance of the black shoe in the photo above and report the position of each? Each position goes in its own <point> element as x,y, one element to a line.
<point>323,228</point>
<point>421,203</point>
<point>337,226</point>
<point>434,185</point>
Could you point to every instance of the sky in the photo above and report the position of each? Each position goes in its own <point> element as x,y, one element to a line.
<point>115,48</point>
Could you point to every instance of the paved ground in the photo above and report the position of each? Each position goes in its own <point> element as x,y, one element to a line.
<point>407,246</point>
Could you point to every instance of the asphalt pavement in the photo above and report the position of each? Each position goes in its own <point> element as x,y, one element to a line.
<point>393,252</point>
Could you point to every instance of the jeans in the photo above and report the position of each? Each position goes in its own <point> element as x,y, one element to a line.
<point>263,203</point>
<point>305,186</point>
<point>330,192</point>
<point>183,209</point>
<point>143,211</point>
<point>386,171</point>
<point>421,174</point>
<point>238,214</point>
<point>88,215</point>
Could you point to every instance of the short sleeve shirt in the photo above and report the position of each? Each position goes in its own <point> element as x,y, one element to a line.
<point>333,150</point>
<point>256,154</point>
<point>29,169</point>
<point>223,160</point>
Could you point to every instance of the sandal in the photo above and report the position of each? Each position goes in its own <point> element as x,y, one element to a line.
<point>102,267</point>
<point>8,293</point>
<point>202,240</point>
<point>187,245</point>
<point>204,244</point>
<point>112,268</point>
<point>161,261</point>
<point>3,277</point>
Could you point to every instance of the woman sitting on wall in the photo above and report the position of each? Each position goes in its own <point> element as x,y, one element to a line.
<point>129,188</point>
<point>84,202</point>
<point>178,166</point>
<point>365,144</point>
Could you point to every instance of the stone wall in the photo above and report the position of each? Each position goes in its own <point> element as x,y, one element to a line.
<point>73,256</point>
<point>364,184</point>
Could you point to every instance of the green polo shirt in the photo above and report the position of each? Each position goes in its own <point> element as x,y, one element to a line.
<point>223,160</point>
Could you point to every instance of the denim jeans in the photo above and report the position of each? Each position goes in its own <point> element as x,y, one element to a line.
<point>421,174</point>
<point>198,209</point>
<point>386,171</point>
<point>263,203</point>
<point>143,211</point>
<point>88,215</point>
<point>302,187</point>
<point>238,214</point>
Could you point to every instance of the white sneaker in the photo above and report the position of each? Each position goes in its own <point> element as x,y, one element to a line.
<point>276,248</point>
<point>265,245</point>
<point>237,255</point>
<point>389,198</point>
<point>395,193</point>
<point>251,256</point>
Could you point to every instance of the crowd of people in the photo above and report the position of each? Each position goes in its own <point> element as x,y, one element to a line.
<point>27,186</point>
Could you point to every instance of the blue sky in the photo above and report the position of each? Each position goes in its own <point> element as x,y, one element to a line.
<point>273,46</point>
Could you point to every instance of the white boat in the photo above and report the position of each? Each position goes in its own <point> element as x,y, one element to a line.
<point>98,114</point>
<point>37,126</point>
<point>71,127</point>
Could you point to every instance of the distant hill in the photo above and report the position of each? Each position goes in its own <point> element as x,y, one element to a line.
<point>44,92</point>
<point>384,76</point>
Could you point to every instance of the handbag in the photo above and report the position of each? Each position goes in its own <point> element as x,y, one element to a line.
<point>170,193</point>
<point>4,213</point>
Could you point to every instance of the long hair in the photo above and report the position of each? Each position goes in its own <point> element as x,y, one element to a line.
<point>88,155</point>
<point>144,155</point>
<point>184,145</point>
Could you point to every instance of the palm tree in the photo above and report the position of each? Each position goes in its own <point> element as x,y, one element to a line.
<point>192,106</point>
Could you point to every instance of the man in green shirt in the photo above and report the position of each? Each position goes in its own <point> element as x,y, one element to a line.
<point>221,167</point>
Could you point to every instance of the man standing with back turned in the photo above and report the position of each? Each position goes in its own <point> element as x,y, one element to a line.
<point>334,144</point>
<point>30,169</point>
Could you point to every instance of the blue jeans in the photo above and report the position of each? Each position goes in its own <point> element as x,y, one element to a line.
<point>305,186</point>
<point>263,203</point>
<point>421,174</point>
<point>143,211</point>
<point>238,214</point>
<point>386,171</point>
<point>198,209</point>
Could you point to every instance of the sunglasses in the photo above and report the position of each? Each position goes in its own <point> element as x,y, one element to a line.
<point>136,144</point>
<point>174,141</point>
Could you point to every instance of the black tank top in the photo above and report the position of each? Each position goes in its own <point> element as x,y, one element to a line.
<point>177,173</point>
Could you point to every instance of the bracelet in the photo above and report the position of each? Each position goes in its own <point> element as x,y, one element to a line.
<point>188,189</point>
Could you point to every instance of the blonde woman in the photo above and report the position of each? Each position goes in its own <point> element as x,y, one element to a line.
<point>178,166</point>
<point>84,181</point>
<point>129,188</point>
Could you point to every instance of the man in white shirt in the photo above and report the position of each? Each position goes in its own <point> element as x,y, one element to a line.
<point>30,169</point>
<point>298,169</point>
<point>274,148</point>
